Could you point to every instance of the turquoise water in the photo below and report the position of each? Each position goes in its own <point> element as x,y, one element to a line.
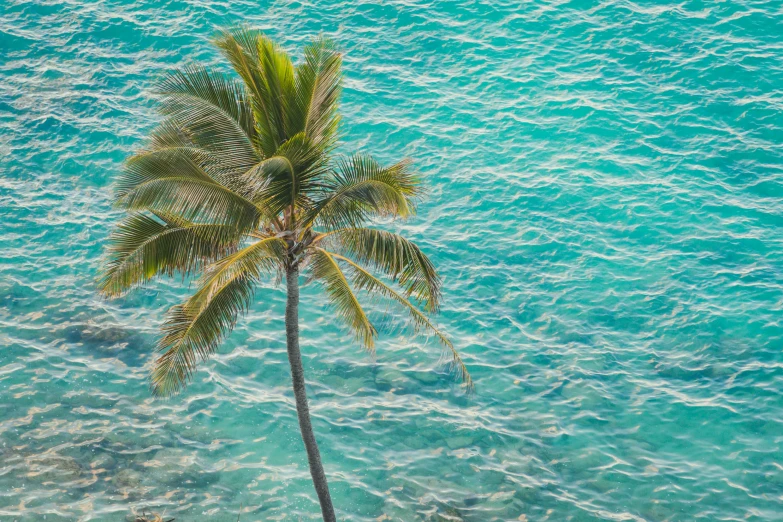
<point>606,211</point>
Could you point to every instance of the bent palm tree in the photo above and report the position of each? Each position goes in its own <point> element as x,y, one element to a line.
<point>238,184</point>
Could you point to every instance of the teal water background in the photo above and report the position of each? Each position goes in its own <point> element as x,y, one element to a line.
<point>606,209</point>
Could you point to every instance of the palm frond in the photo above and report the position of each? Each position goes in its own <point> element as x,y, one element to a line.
<point>269,77</point>
<point>278,74</point>
<point>360,188</point>
<point>170,181</point>
<point>142,247</point>
<point>288,177</point>
<point>366,281</point>
<point>169,139</point>
<point>214,112</point>
<point>193,330</point>
<point>168,136</point>
<point>317,88</point>
<point>395,256</point>
<point>325,269</point>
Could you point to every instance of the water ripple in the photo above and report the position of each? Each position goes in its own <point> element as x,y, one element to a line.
<point>606,183</point>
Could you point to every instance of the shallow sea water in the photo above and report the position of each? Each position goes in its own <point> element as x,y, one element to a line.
<point>606,209</point>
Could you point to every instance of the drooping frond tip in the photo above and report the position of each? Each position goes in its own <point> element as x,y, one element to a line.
<point>395,256</point>
<point>364,280</point>
<point>324,268</point>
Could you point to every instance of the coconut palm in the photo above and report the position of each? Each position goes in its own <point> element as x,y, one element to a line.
<point>239,184</point>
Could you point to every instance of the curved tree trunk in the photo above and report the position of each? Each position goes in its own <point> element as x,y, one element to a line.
<point>302,410</point>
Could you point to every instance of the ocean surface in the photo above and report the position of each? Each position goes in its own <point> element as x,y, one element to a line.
<point>606,208</point>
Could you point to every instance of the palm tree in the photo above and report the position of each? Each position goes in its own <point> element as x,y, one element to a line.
<point>239,184</point>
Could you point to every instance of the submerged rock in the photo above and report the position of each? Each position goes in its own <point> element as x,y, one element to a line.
<point>127,479</point>
<point>102,460</point>
<point>48,468</point>
<point>446,514</point>
<point>429,377</point>
<point>390,378</point>
<point>171,460</point>
<point>347,385</point>
<point>459,442</point>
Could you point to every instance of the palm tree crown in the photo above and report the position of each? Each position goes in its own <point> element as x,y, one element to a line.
<point>239,183</point>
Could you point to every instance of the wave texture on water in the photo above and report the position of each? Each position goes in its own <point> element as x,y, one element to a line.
<point>606,184</point>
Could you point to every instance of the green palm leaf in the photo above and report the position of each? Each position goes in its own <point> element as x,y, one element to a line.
<point>395,256</point>
<point>193,330</point>
<point>325,269</point>
<point>213,112</point>
<point>289,177</point>
<point>268,75</point>
<point>169,181</point>
<point>277,90</point>
<point>317,88</point>
<point>168,139</point>
<point>143,247</point>
<point>360,188</point>
<point>364,280</point>
<point>192,334</point>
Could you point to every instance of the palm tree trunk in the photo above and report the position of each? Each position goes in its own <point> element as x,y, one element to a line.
<point>302,410</point>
